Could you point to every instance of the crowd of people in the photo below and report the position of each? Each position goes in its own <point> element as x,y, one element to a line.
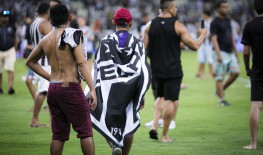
<point>59,45</point>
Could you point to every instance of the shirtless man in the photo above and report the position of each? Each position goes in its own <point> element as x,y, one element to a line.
<point>67,103</point>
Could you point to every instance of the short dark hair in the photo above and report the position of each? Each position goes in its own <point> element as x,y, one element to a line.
<point>258,5</point>
<point>164,4</point>
<point>219,3</point>
<point>59,15</point>
<point>207,12</point>
<point>122,23</point>
<point>42,8</point>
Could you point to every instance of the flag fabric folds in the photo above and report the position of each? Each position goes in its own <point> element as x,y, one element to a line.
<point>121,76</point>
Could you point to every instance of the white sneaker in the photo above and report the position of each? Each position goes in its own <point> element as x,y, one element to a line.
<point>150,124</point>
<point>160,124</point>
<point>172,125</point>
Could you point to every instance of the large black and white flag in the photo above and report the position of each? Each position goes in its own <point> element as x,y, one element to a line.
<point>121,76</point>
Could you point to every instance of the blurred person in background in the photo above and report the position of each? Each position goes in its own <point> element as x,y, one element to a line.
<point>225,55</point>
<point>39,28</point>
<point>253,40</point>
<point>54,2</point>
<point>74,18</point>
<point>8,44</point>
<point>88,38</point>
<point>28,49</point>
<point>141,27</point>
<point>205,52</point>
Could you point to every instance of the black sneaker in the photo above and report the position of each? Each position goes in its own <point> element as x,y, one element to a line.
<point>116,151</point>
<point>1,91</point>
<point>224,103</point>
<point>11,91</point>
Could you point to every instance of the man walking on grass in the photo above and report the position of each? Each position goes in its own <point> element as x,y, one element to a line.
<point>253,40</point>
<point>121,77</point>
<point>226,57</point>
<point>162,39</point>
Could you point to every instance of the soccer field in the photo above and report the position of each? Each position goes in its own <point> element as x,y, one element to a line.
<point>203,128</point>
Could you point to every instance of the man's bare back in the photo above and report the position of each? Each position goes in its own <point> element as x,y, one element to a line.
<point>62,61</point>
<point>66,100</point>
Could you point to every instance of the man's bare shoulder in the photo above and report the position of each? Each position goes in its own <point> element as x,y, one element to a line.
<point>179,24</point>
<point>44,23</point>
<point>45,27</point>
<point>179,27</point>
<point>48,37</point>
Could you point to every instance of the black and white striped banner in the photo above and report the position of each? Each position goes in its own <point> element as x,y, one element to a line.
<point>121,76</point>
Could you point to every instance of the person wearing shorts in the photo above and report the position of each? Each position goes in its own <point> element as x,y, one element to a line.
<point>204,54</point>
<point>7,49</point>
<point>169,88</point>
<point>39,28</point>
<point>162,40</point>
<point>225,56</point>
<point>252,40</point>
<point>66,100</point>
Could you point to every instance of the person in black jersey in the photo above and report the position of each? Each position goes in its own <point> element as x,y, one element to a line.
<point>226,57</point>
<point>252,40</point>
<point>162,40</point>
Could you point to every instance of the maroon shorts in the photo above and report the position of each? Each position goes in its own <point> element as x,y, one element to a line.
<point>68,105</point>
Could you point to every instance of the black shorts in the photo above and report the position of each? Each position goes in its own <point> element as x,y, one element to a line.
<point>169,88</point>
<point>256,90</point>
<point>154,85</point>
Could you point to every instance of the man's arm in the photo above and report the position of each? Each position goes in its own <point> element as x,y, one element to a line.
<point>187,39</point>
<point>45,28</point>
<point>32,61</point>
<point>234,47</point>
<point>84,69</point>
<point>216,47</point>
<point>146,36</point>
<point>246,56</point>
<point>15,39</point>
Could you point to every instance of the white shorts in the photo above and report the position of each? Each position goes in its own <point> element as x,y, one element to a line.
<point>229,65</point>
<point>205,54</point>
<point>43,84</point>
<point>7,60</point>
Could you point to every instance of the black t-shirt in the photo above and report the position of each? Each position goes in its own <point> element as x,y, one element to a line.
<point>7,37</point>
<point>253,36</point>
<point>221,27</point>
<point>164,49</point>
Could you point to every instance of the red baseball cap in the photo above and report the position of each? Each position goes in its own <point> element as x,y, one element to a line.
<point>122,13</point>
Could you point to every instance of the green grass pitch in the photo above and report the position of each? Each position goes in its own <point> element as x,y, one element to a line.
<point>203,128</point>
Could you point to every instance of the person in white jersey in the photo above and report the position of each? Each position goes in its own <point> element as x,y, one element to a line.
<point>39,28</point>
